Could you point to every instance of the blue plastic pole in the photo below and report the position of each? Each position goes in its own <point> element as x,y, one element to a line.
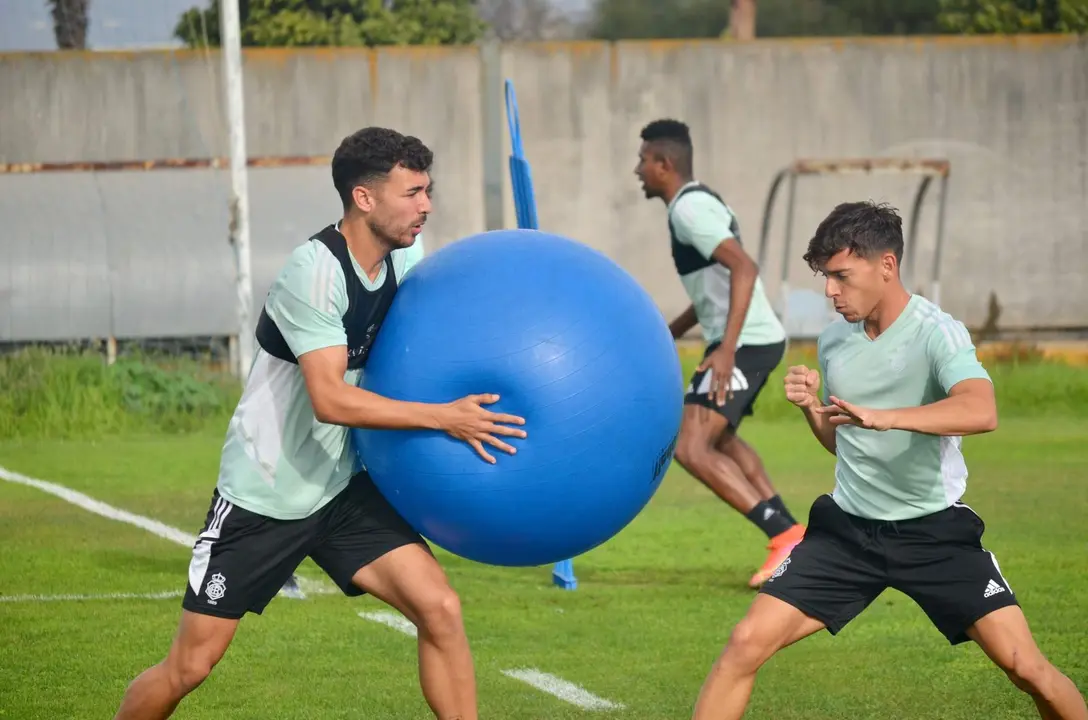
<point>521,178</point>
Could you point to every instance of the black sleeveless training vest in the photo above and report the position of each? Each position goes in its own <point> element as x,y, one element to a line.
<point>365,314</point>
<point>687,258</point>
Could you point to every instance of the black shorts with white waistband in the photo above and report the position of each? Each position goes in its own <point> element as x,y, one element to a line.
<point>752,365</point>
<point>242,559</point>
<point>844,562</point>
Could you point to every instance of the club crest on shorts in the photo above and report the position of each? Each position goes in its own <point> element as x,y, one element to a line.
<point>779,570</point>
<point>216,588</point>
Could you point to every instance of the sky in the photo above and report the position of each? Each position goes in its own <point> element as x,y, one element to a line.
<point>114,24</point>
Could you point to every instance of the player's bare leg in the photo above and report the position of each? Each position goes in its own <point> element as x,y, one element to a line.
<point>1005,637</point>
<point>749,462</point>
<point>697,451</point>
<point>411,580</point>
<point>769,626</point>
<point>200,643</point>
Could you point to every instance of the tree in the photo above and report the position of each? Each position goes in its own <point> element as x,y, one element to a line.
<point>742,20</point>
<point>1013,16</point>
<point>891,17</point>
<point>70,23</point>
<point>294,23</point>
<point>616,19</point>
<point>635,19</point>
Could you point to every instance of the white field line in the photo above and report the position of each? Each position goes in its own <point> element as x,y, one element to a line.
<point>98,507</point>
<point>393,620</point>
<point>166,532</point>
<point>545,682</point>
<point>556,686</point>
<point>101,596</point>
<point>562,689</point>
<point>311,586</point>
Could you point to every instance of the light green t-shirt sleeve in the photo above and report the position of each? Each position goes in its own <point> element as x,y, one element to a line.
<point>699,220</point>
<point>308,300</point>
<point>952,354</point>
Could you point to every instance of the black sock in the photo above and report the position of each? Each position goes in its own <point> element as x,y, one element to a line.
<point>769,520</point>
<point>777,504</point>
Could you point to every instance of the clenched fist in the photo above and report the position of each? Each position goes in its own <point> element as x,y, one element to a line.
<point>803,387</point>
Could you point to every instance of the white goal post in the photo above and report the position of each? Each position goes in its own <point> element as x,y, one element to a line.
<point>928,169</point>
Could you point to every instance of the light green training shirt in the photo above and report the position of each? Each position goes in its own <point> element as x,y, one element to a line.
<point>896,474</point>
<point>278,460</point>
<point>701,221</point>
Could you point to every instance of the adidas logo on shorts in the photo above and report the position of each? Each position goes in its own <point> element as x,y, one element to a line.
<point>992,588</point>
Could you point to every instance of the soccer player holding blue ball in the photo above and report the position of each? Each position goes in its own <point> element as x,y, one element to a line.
<point>288,487</point>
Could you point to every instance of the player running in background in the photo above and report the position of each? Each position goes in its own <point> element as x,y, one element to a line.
<point>901,387</point>
<point>745,340</point>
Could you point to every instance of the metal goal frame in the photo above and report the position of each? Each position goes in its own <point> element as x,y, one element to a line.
<point>928,169</point>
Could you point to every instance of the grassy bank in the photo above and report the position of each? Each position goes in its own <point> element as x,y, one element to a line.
<point>49,394</point>
<point>77,395</point>
<point>1028,384</point>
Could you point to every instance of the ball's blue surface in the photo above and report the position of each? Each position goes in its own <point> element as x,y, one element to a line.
<point>571,343</point>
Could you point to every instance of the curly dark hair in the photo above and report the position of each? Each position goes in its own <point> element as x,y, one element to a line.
<point>867,229</point>
<point>368,155</point>
<point>670,139</point>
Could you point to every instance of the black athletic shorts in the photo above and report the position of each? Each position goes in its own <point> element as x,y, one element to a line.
<point>752,365</point>
<point>844,562</point>
<point>242,559</point>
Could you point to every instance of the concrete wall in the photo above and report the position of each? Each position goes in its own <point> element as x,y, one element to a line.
<point>145,253</point>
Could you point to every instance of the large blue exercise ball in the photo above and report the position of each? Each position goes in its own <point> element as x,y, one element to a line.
<point>570,342</point>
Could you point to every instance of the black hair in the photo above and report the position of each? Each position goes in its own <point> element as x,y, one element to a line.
<point>369,155</point>
<point>671,139</point>
<point>867,229</point>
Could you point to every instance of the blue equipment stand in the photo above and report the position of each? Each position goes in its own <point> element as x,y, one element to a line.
<point>525,207</point>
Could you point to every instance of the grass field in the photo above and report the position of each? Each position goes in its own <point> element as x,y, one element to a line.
<point>653,608</point>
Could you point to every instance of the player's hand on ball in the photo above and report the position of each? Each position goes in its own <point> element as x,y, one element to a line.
<point>803,386</point>
<point>467,420</point>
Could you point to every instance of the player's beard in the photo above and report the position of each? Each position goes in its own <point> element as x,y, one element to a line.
<point>393,236</point>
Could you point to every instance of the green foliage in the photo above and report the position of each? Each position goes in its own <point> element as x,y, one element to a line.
<point>1014,16</point>
<point>308,23</point>
<point>617,19</point>
<point>51,394</point>
<point>889,17</point>
<point>642,19</point>
<point>61,395</point>
<point>847,17</point>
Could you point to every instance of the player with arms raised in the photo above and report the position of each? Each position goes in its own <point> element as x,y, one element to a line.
<point>901,387</point>
<point>288,487</point>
